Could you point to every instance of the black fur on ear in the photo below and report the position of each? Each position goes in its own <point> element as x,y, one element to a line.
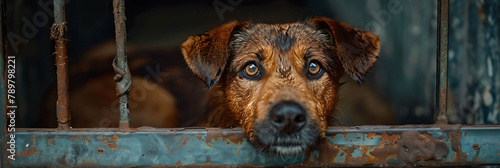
<point>207,54</point>
<point>357,49</point>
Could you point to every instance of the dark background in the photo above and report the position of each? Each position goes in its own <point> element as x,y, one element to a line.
<point>399,90</point>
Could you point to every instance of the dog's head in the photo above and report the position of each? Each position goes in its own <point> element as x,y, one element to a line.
<point>281,80</point>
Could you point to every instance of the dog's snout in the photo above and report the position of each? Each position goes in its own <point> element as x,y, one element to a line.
<point>288,117</point>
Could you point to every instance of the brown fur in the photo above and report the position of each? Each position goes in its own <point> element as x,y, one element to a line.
<point>283,52</point>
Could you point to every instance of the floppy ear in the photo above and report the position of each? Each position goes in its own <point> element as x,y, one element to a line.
<point>207,54</point>
<point>357,49</point>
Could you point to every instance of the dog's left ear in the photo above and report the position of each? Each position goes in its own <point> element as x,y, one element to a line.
<point>357,49</point>
<point>207,54</point>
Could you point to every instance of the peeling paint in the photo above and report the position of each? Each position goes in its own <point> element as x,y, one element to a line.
<point>32,151</point>
<point>112,146</point>
<point>114,138</point>
<point>75,138</point>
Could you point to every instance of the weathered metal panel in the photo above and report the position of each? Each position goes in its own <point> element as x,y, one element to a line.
<point>474,62</point>
<point>414,145</point>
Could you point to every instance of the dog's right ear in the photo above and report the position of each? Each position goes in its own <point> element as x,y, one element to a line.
<point>207,54</point>
<point>357,49</point>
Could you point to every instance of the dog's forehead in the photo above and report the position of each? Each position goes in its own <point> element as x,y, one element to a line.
<point>294,38</point>
<point>272,33</point>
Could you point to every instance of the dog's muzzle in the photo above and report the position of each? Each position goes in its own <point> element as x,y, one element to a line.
<point>287,129</point>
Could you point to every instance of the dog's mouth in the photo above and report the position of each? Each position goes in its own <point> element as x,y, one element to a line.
<point>289,148</point>
<point>274,141</point>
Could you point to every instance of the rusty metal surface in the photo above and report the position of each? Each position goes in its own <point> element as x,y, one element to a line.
<point>413,145</point>
<point>122,78</point>
<point>442,62</point>
<point>58,33</point>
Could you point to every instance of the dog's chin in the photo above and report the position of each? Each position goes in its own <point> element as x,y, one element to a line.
<point>288,149</point>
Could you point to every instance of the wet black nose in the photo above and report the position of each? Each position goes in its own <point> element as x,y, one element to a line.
<point>288,117</point>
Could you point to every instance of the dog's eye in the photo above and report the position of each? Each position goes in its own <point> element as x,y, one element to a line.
<point>314,70</point>
<point>251,69</point>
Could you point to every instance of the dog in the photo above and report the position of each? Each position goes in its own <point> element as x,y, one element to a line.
<point>279,82</point>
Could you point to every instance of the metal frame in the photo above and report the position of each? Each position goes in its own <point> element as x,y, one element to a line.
<point>439,144</point>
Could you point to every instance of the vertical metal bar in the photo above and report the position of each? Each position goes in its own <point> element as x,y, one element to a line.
<point>442,62</point>
<point>58,33</point>
<point>122,78</point>
<point>3,89</point>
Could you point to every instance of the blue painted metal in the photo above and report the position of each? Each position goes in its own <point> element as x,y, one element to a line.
<point>474,62</point>
<point>344,146</point>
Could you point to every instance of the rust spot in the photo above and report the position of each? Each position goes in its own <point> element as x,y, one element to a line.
<point>238,153</point>
<point>101,137</point>
<point>386,138</point>
<point>225,135</point>
<point>75,138</point>
<point>388,148</point>
<point>381,153</point>
<point>183,143</point>
<point>475,147</point>
<point>33,139</point>
<point>100,150</point>
<point>198,136</point>
<point>455,137</point>
<point>414,146</point>
<point>87,140</point>
<point>114,138</point>
<point>209,145</point>
<point>326,153</point>
<point>465,134</point>
<point>355,161</point>
<point>31,151</point>
<point>110,145</point>
<point>50,141</point>
<point>179,163</point>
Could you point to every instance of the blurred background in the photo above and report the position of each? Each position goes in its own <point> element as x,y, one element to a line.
<point>400,89</point>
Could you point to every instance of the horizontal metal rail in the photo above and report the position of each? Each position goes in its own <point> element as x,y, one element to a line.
<point>412,145</point>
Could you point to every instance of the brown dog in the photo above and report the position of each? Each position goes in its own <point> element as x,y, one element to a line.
<point>278,81</point>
